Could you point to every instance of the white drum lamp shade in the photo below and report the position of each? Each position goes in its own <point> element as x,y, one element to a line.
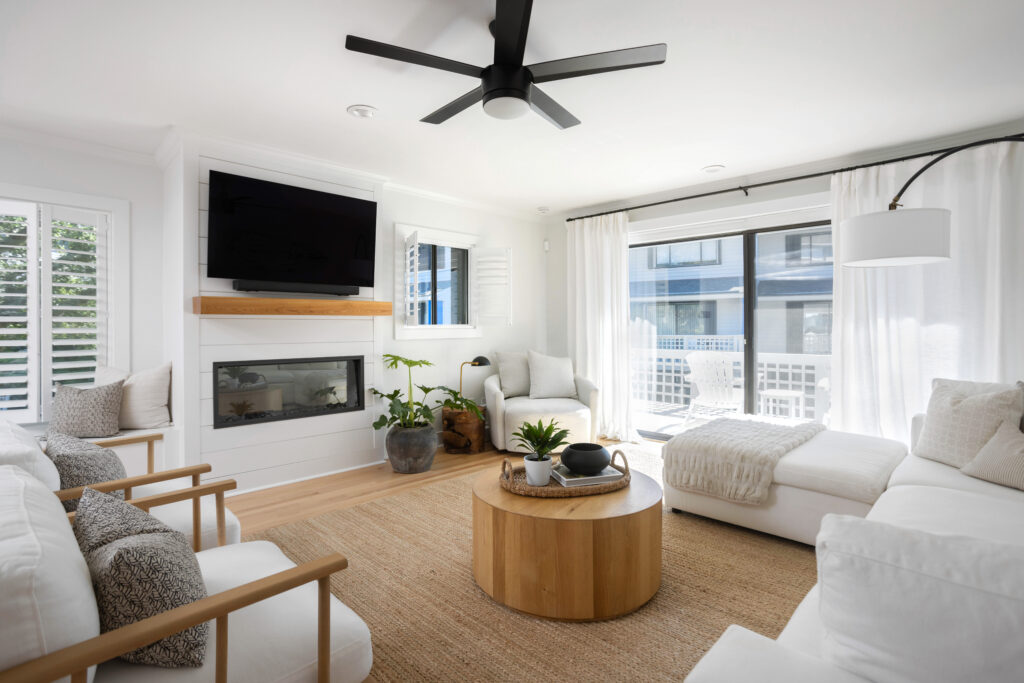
<point>904,237</point>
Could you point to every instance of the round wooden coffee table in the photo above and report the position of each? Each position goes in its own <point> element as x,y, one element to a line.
<point>579,559</point>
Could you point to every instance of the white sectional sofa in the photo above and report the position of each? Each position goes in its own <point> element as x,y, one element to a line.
<point>916,607</point>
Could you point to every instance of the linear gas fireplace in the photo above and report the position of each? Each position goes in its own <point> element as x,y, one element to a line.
<point>247,392</point>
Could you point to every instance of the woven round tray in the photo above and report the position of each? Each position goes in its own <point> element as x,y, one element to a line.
<point>513,480</point>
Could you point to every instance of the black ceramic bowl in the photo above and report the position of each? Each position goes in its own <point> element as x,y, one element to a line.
<point>586,458</point>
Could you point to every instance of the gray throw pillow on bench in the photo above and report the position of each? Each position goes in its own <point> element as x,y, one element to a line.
<point>140,568</point>
<point>87,412</point>
<point>81,463</point>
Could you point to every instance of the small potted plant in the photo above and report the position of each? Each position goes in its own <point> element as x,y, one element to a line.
<point>411,441</point>
<point>463,423</point>
<point>541,440</point>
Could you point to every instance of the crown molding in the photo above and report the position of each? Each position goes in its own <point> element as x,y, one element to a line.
<point>77,146</point>
<point>465,203</point>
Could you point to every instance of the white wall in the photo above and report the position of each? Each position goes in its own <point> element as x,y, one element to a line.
<point>76,167</point>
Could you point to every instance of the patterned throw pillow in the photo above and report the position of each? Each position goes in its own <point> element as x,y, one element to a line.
<point>81,463</point>
<point>962,418</point>
<point>87,412</point>
<point>140,568</point>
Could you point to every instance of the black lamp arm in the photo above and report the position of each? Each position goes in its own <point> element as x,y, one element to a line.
<point>895,203</point>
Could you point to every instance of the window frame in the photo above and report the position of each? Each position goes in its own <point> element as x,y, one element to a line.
<point>118,272</point>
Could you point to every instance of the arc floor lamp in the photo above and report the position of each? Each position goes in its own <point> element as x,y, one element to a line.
<point>904,237</point>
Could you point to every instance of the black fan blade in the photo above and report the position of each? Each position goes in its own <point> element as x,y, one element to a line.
<point>599,62</point>
<point>455,106</point>
<point>551,110</point>
<point>511,24</point>
<point>402,54</point>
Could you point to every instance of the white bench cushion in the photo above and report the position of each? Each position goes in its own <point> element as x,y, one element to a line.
<point>568,412</point>
<point>850,466</point>
<point>178,516</point>
<point>272,640</point>
<point>46,597</point>
<point>921,471</point>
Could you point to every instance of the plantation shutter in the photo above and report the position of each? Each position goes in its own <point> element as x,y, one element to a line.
<point>75,313</point>
<point>19,312</point>
<point>491,276</point>
<point>412,291</point>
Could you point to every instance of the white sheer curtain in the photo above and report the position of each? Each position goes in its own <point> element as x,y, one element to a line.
<point>598,290</point>
<point>895,329</point>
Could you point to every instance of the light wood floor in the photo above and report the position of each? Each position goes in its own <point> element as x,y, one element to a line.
<point>279,505</point>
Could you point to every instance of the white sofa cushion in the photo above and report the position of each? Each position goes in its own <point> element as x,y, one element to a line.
<point>920,471</point>
<point>46,601</point>
<point>850,466</point>
<point>21,449</point>
<point>178,515</point>
<point>949,511</point>
<point>1001,460</point>
<point>514,373</point>
<point>963,416</point>
<point>271,640</point>
<point>145,397</point>
<point>567,412</point>
<point>551,376</point>
<point>904,605</point>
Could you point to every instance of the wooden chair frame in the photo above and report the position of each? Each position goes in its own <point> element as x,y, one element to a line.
<point>148,439</point>
<point>75,660</point>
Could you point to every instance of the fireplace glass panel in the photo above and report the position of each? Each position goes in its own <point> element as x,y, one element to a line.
<point>246,392</point>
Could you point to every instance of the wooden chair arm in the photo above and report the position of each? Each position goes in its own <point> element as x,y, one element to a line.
<point>74,660</point>
<point>148,439</point>
<point>131,482</point>
<point>194,493</point>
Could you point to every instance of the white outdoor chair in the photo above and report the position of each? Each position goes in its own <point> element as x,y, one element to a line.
<point>711,372</point>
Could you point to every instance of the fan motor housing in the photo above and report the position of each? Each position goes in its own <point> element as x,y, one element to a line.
<point>499,80</point>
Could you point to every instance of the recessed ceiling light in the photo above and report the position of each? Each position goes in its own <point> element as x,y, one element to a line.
<point>542,210</point>
<point>362,111</point>
<point>713,168</point>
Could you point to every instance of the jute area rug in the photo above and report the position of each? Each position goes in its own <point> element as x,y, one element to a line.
<point>410,578</point>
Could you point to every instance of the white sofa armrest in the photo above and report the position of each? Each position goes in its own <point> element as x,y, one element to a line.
<point>588,394</point>
<point>495,401</point>
<point>916,425</point>
<point>742,656</point>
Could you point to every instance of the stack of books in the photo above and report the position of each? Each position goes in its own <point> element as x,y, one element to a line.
<point>565,477</point>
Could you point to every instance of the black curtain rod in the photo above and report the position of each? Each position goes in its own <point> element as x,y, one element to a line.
<point>745,188</point>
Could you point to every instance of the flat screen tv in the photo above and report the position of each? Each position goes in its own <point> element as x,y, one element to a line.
<point>269,236</point>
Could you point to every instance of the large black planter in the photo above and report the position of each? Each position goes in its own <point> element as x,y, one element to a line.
<point>411,449</point>
<point>586,458</point>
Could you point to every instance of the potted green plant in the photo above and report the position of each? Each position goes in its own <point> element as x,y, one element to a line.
<point>411,441</point>
<point>541,440</point>
<point>463,423</point>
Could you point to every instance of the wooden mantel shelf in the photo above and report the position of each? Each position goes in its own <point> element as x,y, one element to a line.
<point>248,305</point>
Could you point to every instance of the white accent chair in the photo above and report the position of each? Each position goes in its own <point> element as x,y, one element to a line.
<point>712,374</point>
<point>578,415</point>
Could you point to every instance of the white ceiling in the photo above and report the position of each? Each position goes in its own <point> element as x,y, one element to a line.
<point>751,84</point>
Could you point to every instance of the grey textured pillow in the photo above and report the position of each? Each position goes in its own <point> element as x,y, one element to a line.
<point>1001,460</point>
<point>140,568</point>
<point>963,416</point>
<point>87,412</point>
<point>81,463</point>
<point>514,373</point>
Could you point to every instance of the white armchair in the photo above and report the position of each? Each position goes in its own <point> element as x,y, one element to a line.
<point>578,415</point>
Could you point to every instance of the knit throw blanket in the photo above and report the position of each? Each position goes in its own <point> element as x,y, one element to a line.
<point>732,459</point>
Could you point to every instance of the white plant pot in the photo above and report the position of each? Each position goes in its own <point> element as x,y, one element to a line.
<point>538,472</point>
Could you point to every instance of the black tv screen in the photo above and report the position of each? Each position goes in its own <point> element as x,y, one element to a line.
<point>259,230</point>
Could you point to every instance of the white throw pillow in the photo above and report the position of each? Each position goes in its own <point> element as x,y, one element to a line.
<point>514,373</point>
<point>902,605</point>
<point>1001,460</point>
<point>963,416</point>
<point>551,377</point>
<point>21,449</point>
<point>47,601</point>
<point>145,397</point>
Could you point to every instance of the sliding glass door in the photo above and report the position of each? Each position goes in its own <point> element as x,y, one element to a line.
<point>703,348</point>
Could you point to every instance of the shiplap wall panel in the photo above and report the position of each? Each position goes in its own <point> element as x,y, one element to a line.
<point>270,453</point>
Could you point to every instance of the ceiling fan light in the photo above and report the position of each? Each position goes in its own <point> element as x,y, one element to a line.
<point>506,107</point>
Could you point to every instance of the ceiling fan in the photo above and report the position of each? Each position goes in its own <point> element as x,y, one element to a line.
<point>507,88</point>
